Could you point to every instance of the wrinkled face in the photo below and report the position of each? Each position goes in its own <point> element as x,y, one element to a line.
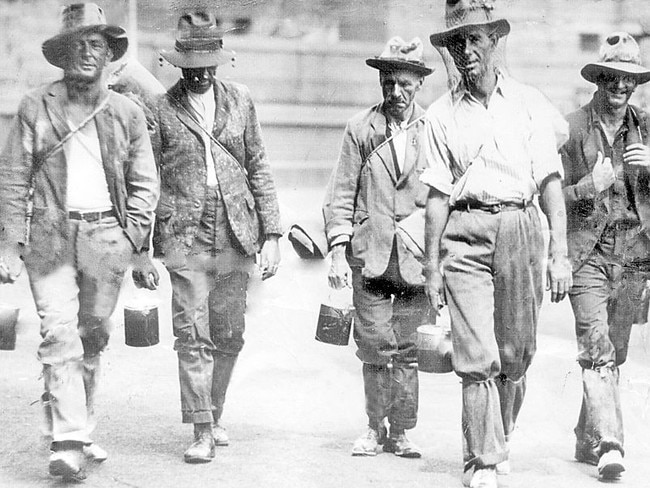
<point>399,88</point>
<point>616,89</point>
<point>88,55</point>
<point>472,50</point>
<point>199,80</point>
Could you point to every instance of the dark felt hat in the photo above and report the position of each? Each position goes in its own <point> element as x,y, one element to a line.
<point>199,42</point>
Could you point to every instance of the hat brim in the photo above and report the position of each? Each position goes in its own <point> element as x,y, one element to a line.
<point>384,64</point>
<point>55,48</point>
<point>501,27</point>
<point>592,71</point>
<point>192,59</point>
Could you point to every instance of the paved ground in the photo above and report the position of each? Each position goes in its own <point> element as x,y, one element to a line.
<point>296,405</point>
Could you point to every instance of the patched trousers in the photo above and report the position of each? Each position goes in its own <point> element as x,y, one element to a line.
<point>492,265</point>
<point>606,298</point>
<point>74,300</point>
<point>388,312</point>
<point>208,305</point>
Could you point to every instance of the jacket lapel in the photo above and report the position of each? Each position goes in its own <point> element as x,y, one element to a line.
<point>222,110</point>
<point>412,144</point>
<point>378,138</point>
<point>54,106</point>
<point>184,112</point>
<point>105,122</point>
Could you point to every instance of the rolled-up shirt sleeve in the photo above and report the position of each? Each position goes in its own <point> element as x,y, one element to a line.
<point>549,131</point>
<point>438,173</point>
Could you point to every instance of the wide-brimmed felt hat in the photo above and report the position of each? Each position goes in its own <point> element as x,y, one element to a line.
<point>398,54</point>
<point>619,54</point>
<point>81,18</point>
<point>199,42</point>
<point>461,15</point>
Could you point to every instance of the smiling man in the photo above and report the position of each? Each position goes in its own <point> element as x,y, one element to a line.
<point>606,188</point>
<point>78,189</point>
<point>374,186</point>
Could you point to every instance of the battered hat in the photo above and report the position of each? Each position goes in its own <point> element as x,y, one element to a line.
<point>81,18</point>
<point>619,54</point>
<point>401,55</point>
<point>464,14</point>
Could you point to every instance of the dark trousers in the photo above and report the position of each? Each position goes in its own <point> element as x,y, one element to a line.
<point>208,304</point>
<point>389,310</point>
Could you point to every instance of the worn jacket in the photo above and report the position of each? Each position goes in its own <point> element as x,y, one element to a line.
<point>245,181</point>
<point>128,166</point>
<point>365,200</point>
<point>588,211</point>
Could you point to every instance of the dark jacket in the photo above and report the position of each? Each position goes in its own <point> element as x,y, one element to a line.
<point>245,182</point>
<point>365,199</point>
<point>587,211</point>
<point>128,166</point>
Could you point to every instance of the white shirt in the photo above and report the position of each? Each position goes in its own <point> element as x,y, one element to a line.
<point>494,154</point>
<point>204,107</point>
<point>399,141</point>
<point>87,190</point>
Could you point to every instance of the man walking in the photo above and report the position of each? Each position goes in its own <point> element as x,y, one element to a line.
<point>218,205</point>
<point>78,188</point>
<point>492,147</point>
<point>607,168</point>
<point>374,186</point>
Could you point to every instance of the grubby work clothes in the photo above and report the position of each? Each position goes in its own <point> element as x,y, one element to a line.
<point>493,282</point>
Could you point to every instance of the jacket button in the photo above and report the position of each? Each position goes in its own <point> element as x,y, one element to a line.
<point>197,204</point>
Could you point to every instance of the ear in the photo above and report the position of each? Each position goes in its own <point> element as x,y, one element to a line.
<point>109,54</point>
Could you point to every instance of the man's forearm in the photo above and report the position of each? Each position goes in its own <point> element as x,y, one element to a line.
<point>436,216</point>
<point>552,204</point>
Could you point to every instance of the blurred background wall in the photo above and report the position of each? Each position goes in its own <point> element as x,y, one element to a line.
<point>304,59</point>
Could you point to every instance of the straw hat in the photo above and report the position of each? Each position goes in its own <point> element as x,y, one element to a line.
<point>464,14</point>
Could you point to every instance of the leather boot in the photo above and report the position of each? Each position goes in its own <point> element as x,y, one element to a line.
<point>202,449</point>
<point>222,373</point>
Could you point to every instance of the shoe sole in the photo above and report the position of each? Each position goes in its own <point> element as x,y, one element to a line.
<point>611,471</point>
<point>198,459</point>
<point>403,454</point>
<point>364,453</point>
<point>59,467</point>
<point>221,443</point>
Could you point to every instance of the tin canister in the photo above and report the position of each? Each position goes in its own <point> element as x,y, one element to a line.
<point>141,325</point>
<point>8,321</point>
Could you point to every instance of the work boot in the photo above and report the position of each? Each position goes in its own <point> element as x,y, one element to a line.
<point>585,453</point>
<point>367,443</point>
<point>66,461</point>
<point>220,435</point>
<point>610,465</point>
<point>93,452</point>
<point>484,478</point>
<point>401,446</point>
<point>202,449</point>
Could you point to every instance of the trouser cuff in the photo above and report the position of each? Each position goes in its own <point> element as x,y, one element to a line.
<point>200,417</point>
<point>485,460</point>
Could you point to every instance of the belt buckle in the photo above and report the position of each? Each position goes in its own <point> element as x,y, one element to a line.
<point>496,208</point>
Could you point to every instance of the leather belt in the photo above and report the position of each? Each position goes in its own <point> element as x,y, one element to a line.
<point>492,207</point>
<point>90,216</point>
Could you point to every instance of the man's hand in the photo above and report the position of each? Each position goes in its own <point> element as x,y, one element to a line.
<point>603,173</point>
<point>269,257</point>
<point>559,278</point>
<point>11,265</point>
<point>340,274</point>
<point>145,274</point>
<point>637,155</point>
<point>434,287</point>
